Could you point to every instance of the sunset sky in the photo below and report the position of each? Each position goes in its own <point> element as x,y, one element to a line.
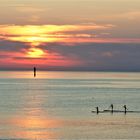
<point>70,35</point>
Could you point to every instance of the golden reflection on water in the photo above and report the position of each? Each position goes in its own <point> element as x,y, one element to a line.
<point>36,121</point>
<point>28,127</point>
<point>34,127</point>
<point>32,121</point>
<point>101,126</point>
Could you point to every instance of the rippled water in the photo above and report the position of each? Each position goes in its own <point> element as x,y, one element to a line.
<point>58,105</point>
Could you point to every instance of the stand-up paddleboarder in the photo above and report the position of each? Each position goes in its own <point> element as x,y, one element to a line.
<point>125,109</point>
<point>97,110</point>
<point>112,107</point>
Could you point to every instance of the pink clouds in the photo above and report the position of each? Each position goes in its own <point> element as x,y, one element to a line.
<point>59,46</point>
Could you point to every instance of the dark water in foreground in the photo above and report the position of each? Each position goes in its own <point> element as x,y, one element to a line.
<point>58,105</point>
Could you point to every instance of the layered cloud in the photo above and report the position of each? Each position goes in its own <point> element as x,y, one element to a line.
<point>67,47</point>
<point>36,35</point>
<point>79,56</point>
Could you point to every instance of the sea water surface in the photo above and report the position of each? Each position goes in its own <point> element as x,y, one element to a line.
<point>58,105</point>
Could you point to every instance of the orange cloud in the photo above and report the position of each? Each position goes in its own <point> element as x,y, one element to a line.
<point>39,34</point>
<point>36,35</point>
<point>35,53</point>
<point>41,56</point>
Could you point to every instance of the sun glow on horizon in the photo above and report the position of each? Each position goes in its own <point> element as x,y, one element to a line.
<point>35,53</point>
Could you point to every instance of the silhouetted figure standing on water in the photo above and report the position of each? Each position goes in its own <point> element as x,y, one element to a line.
<point>34,71</point>
<point>111,108</point>
<point>125,109</point>
<point>97,110</point>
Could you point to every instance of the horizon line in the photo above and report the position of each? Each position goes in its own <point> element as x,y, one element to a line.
<point>71,70</point>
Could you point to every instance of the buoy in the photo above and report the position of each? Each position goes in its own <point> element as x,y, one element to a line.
<point>34,71</point>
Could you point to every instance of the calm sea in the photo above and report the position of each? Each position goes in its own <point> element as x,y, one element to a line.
<point>58,105</point>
